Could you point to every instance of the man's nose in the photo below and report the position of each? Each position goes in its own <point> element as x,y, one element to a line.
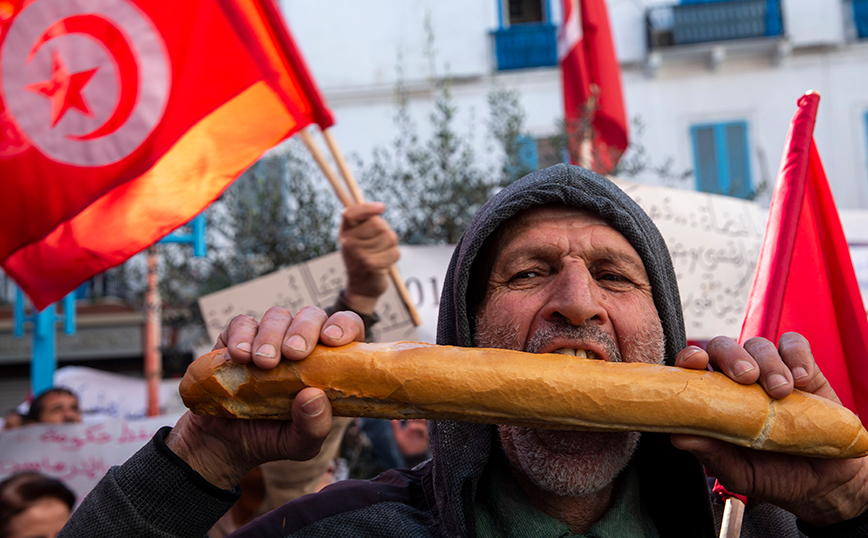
<point>576,296</point>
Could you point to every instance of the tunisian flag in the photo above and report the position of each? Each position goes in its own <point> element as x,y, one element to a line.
<point>592,85</point>
<point>805,280</point>
<point>121,120</point>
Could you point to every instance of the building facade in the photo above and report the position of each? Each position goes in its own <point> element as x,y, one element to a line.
<point>712,82</point>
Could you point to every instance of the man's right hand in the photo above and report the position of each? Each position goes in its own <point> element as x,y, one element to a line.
<point>224,450</point>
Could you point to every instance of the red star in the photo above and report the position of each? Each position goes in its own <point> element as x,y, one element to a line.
<point>64,89</point>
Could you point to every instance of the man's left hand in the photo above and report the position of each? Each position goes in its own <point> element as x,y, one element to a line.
<point>819,491</point>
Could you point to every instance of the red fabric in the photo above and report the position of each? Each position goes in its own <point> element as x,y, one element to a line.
<point>723,492</point>
<point>805,280</point>
<point>118,127</point>
<point>590,69</point>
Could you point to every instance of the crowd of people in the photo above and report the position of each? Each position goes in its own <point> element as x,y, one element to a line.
<point>561,260</point>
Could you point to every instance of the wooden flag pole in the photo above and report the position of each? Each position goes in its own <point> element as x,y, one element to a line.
<point>357,198</point>
<point>342,166</point>
<point>324,166</point>
<point>733,512</point>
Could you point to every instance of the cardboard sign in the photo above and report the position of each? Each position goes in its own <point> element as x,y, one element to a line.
<point>316,282</point>
<point>76,454</point>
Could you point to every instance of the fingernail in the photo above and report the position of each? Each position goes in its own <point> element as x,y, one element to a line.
<point>244,346</point>
<point>742,367</point>
<point>776,380</point>
<point>266,350</point>
<point>296,342</point>
<point>690,351</point>
<point>333,331</point>
<point>799,373</point>
<point>314,407</point>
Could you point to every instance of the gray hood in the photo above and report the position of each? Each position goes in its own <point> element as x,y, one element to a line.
<point>461,450</point>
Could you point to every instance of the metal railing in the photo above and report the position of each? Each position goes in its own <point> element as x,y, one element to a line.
<point>687,24</point>
<point>526,45</point>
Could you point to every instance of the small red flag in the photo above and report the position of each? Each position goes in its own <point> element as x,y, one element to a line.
<point>592,81</point>
<point>805,281</point>
<point>121,120</point>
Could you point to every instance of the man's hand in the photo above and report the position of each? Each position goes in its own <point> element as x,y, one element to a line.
<point>368,247</point>
<point>224,450</point>
<point>819,491</point>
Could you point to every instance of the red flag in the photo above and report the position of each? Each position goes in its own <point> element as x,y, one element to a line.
<point>121,120</point>
<point>592,82</point>
<point>805,280</point>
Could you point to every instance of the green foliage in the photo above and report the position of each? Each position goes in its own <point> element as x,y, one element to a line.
<point>431,188</point>
<point>506,124</point>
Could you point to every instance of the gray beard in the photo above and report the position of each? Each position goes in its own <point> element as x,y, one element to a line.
<point>570,463</point>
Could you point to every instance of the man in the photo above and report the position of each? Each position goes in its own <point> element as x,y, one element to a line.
<point>559,261</point>
<point>54,406</point>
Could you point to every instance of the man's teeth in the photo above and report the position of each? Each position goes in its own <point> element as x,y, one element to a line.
<point>581,353</point>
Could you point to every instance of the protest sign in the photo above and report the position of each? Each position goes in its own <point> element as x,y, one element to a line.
<point>76,454</point>
<point>714,242</point>
<point>316,282</point>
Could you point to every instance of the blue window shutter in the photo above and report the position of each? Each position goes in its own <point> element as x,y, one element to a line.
<point>721,158</point>
<point>737,153</point>
<point>705,157</point>
<point>528,155</point>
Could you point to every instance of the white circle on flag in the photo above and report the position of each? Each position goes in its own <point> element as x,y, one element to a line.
<point>87,81</point>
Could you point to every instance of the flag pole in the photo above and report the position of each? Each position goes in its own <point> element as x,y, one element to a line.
<point>357,198</point>
<point>733,512</point>
<point>153,357</point>
<point>324,166</point>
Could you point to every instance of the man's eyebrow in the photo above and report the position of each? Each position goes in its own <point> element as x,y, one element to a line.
<point>620,256</point>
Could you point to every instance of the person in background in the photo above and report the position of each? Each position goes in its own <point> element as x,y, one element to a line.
<point>56,405</point>
<point>33,505</point>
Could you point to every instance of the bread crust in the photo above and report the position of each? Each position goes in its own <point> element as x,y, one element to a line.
<point>416,380</point>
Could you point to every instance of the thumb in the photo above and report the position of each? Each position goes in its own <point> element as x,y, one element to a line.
<point>311,423</point>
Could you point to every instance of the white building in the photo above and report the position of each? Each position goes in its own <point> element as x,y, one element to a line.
<point>713,81</point>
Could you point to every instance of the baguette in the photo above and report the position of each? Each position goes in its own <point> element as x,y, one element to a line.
<point>403,380</point>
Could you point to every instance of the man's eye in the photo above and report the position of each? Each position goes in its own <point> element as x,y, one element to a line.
<point>612,277</point>
<point>524,275</point>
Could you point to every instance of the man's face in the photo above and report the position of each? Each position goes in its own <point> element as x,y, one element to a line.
<point>565,281</point>
<point>59,407</point>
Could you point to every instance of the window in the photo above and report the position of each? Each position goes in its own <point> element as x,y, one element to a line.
<point>523,11</point>
<point>721,158</point>
<point>860,18</point>
<point>526,37</point>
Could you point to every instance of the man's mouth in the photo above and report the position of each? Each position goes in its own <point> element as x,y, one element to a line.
<point>581,353</point>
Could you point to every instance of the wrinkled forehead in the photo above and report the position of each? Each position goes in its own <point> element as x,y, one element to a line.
<point>529,218</point>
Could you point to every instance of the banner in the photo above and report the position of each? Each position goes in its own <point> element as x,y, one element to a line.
<point>121,120</point>
<point>76,454</point>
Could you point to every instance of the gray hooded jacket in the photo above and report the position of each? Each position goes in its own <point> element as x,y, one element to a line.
<point>157,494</point>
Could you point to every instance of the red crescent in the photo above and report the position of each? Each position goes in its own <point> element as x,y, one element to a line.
<point>127,72</point>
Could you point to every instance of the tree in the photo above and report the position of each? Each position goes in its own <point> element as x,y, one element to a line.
<point>432,188</point>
